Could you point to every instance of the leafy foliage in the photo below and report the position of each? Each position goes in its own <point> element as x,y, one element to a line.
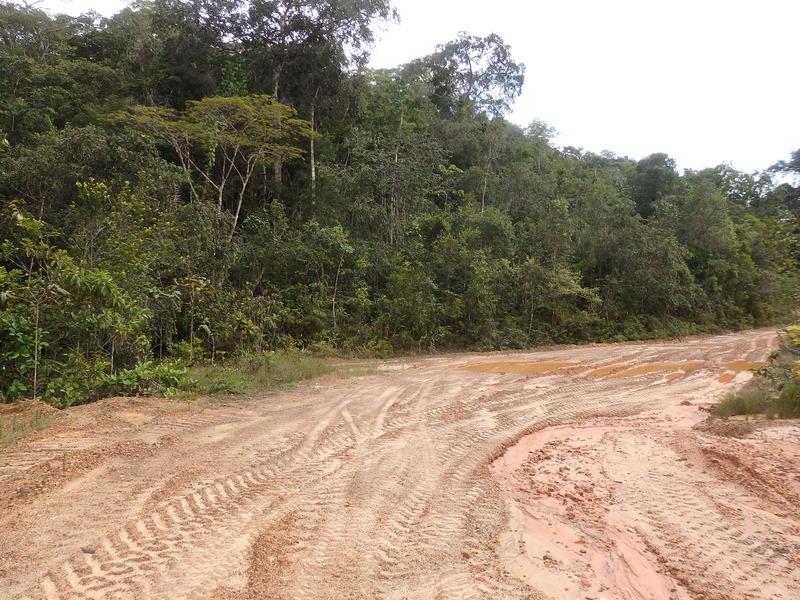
<point>190,183</point>
<point>777,393</point>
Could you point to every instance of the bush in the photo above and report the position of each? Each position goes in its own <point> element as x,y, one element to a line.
<point>748,401</point>
<point>787,404</point>
<point>262,372</point>
<point>81,382</point>
<point>149,378</point>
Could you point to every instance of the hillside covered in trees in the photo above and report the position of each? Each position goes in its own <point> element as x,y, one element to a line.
<point>195,179</point>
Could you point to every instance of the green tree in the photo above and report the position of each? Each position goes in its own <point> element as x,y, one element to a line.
<point>44,171</point>
<point>43,86</point>
<point>653,178</point>
<point>67,331</point>
<point>220,141</point>
<point>470,75</point>
<point>279,33</point>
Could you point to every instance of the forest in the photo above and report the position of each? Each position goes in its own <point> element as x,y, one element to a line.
<point>199,180</point>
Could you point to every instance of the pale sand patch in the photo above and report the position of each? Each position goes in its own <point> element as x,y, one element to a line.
<point>136,418</point>
<point>519,367</point>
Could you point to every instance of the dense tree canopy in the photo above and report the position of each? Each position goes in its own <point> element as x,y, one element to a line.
<point>192,179</point>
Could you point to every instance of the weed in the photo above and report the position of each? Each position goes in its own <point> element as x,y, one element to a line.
<point>223,385</point>
<point>737,429</point>
<point>258,373</point>
<point>18,426</point>
<point>356,371</point>
<point>774,402</point>
<point>787,404</point>
<point>747,401</point>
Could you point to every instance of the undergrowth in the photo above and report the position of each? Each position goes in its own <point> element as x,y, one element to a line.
<point>776,404</point>
<point>775,393</point>
<point>16,426</point>
<point>747,401</point>
<point>256,373</point>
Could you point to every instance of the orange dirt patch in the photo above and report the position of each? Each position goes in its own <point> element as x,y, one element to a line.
<point>603,371</point>
<point>518,367</point>
<point>726,377</point>
<point>656,367</point>
<point>744,365</point>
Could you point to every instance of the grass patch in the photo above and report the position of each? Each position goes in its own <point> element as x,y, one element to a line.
<point>747,401</point>
<point>740,429</point>
<point>760,399</point>
<point>359,371</point>
<point>17,426</point>
<point>787,404</point>
<point>257,373</point>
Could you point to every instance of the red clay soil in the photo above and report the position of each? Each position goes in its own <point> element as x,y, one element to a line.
<point>567,473</point>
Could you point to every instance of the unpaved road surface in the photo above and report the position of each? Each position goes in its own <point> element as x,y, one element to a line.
<point>398,485</point>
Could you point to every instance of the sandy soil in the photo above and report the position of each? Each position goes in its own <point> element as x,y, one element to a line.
<point>568,473</point>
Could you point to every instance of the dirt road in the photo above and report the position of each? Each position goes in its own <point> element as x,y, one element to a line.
<point>387,486</point>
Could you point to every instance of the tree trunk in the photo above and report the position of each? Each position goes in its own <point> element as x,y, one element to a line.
<point>485,184</point>
<point>312,118</point>
<point>35,349</point>
<point>278,165</point>
<point>336,290</point>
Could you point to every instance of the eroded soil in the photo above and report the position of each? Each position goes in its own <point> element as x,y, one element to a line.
<point>410,484</point>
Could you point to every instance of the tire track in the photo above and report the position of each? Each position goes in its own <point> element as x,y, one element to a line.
<point>385,480</point>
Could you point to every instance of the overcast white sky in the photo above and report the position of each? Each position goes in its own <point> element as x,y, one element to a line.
<point>706,81</point>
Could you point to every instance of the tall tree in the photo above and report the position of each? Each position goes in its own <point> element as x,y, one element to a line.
<point>307,43</point>
<point>195,38</point>
<point>220,141</point>
<point>470,75</point>
<point>653,178</point>
<point>281,31</point>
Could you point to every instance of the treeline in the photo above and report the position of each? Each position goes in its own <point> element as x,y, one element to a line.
<point>194,179</point>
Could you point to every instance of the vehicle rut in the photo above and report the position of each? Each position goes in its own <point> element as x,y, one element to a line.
<point>375,487</point>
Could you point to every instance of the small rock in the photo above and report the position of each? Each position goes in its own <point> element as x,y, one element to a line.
<point>87,550</point>
<point>24,491</point>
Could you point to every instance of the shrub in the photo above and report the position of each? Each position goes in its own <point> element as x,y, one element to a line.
<point>787,404</point>
<point>261,372</point>
<point>748,401</point>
